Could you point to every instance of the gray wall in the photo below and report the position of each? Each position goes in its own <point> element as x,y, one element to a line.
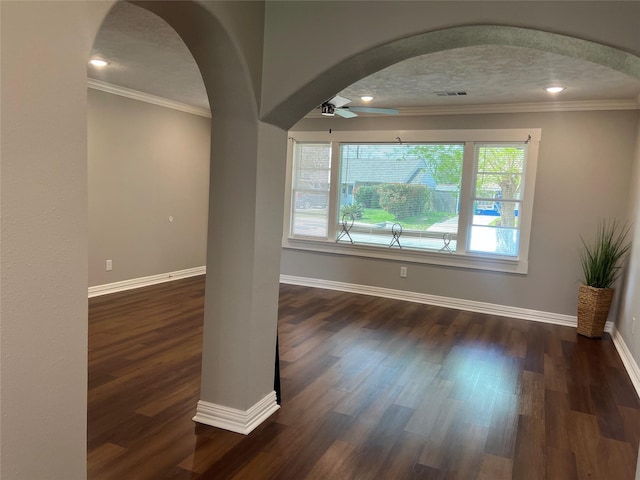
<point>630,300</point>
<point>584,167</point>
<point>146,163</point>
<point>43,237</point>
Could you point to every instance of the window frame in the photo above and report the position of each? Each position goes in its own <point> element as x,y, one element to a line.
<point>461,258</point>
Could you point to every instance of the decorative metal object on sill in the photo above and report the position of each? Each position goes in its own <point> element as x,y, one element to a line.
<point>347,223</point>
<point>396,231</point>
<point>446,238</point>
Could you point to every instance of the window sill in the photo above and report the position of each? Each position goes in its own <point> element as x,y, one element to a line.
<point>456,260</point>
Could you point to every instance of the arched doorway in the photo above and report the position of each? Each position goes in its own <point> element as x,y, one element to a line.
<point>345,73</point>
<point>232,315</point>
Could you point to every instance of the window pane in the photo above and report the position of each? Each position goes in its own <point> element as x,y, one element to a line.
<point>499,172</point>
<point>498,187</point>
<point>414,185</point>
<point>497,240</point>
<point>310,196</point>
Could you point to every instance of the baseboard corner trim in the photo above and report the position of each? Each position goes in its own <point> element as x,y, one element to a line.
<point>134,283</point>
<point>238,421</point>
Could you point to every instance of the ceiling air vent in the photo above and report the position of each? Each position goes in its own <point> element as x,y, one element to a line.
<point>447,93</point>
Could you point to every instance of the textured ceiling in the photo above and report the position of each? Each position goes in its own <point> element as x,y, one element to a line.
<point>492,74</point>
<point>145,54</point>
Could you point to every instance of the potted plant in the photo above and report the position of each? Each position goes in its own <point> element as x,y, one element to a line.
<point>601,267</point>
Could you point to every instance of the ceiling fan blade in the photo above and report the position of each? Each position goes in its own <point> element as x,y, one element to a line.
<point>344,113</point>
<point>339,101</point>
<point>383,111</point>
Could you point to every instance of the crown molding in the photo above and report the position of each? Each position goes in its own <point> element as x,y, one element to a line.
<point>574,106</point>
<point>146,97</point>
<point>540,107</point>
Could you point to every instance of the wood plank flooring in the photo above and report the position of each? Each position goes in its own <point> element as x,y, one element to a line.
<point>372,388</point>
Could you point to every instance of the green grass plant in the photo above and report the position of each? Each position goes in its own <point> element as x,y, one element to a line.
<point>600,259</point>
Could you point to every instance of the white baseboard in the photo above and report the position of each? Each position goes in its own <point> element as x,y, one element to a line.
<point>627,359</point>
<point>239,421</point>
<point>448,302</point>
<point>145,281</point>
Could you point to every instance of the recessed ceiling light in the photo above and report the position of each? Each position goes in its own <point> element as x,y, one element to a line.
<point>366,98</point>
<point>98,62</point>
<point>554,89</point>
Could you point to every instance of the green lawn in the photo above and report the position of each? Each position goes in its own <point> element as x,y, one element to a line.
<point>374,215</point>
<point>418,222</point>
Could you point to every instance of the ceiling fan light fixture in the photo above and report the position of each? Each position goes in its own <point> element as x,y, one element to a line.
<point>328,110</point>
<point>98,62</point>
<point>555,89</point>
<point>366,98</point>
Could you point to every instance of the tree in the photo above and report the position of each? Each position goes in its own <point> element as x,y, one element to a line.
<point>443,166</point>
<point>499,179</point>
<point>499,172</point>
<point>443,162</point>
<point>500,168</point>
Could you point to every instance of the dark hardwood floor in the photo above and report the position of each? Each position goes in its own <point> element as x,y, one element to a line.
<point>372,389</point>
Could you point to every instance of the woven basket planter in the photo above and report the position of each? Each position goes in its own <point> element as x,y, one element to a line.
<point>593,310</point>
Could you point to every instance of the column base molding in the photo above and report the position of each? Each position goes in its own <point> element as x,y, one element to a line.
<point>239,421</point>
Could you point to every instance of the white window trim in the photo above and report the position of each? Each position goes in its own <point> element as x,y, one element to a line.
<point>477,261</point>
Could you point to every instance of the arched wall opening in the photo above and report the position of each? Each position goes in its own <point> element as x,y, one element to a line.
<point>572,171</point>
<point>243,242</point>
<point>358,66</point>
<point>148,195</point>
<point>235,294</point>
<point>573,159</point>
<point>148,156</point>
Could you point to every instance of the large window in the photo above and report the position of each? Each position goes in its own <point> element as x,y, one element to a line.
<point>460,198</point>
<point>414,187</point>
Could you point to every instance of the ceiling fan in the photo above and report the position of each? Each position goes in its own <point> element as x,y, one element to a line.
<point>336,106</point>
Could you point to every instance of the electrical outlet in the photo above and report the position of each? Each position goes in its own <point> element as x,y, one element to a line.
<point>403,272</point>
<point>109,265</point>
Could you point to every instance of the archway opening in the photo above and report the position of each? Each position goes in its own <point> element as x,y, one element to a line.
<point>149,154</point>
<point>354,69</point>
